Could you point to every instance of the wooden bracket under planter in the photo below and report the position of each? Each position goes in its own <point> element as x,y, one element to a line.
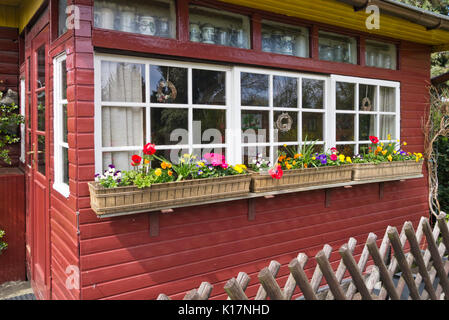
<point>154,224</point>
<point>327,198</point>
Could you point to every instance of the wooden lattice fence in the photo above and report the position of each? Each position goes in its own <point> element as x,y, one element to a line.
<point>423,271</point>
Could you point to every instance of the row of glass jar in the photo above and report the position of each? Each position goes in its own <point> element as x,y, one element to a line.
<point>283,43</point>
<point>379,59</point>
<point>207,33</point>
<point>125,18</point>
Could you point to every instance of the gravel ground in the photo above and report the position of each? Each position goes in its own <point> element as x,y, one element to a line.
<point>13,289</point>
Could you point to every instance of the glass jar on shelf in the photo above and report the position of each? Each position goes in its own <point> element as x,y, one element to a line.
<point>208,33</point>
<point>266,42</point>
<point>277,41</point>
<point>163,27</point>
<point>127,18</point>
<point>106,14</point>
<point>147,25</point>
<point>222,36</point>
<point>287,44</point>
<point>195,32</point>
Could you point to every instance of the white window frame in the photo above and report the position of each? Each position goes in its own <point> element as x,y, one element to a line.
<point>364,81</point>
<point>59,184</point>
<point>147,105</point>
<point>233,107</point>
<point>22,125</point>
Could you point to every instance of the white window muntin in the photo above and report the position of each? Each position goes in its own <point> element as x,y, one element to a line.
<point>22,125</point>
<point>148,105</point>
<point>58,125</point>
<point>356,112</point>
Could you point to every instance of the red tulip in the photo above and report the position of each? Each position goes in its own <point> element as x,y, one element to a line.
<point>149,149</point>
<point>136,160</point>
<point>374,139</point>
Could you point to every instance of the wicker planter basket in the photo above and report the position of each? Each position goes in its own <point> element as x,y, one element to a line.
<point>164,195</point>
<point>297,178</point>
<point>396,169</point>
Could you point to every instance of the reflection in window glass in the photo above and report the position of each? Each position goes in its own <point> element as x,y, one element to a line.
<point>169,126</point>
<point>380,54</point>
<point>62,18</point>
<point>347,150</point>
<point>255,126</point>
<point>345,127</point>
<point>367,126</point>
<point>168,84</point>
<point>200,153</point>
<point>254,89</point>
<point>120,159</point>
<point>63,80</point>
<point>255,152</point>
<point>312,126</point>
<point>387,127</point>
<point>285,39</point>
<point>345,95</point>
<point>64,123</point>
<point>41,67</point>
<point>338,48</point>
<point>122,82</point>
<point>387,99</point>
<point>65,165</point>
<point>286,126</point>
<point>41,154</point>
<point>209,87</point>
<point>285,92</point>
<point>367,97</point>
<point>41,111</point>
<point>122,126</point>
<point>312,94</point>
<point>211,126</point>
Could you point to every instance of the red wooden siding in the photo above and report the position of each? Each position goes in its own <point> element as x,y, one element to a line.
<point>9,58</point>
<point>12,221</point>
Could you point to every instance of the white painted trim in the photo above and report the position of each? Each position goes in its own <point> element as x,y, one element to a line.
<point>22,125</point>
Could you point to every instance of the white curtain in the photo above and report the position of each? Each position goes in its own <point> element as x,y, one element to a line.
<point>121,126</point>
<point>387,104</point>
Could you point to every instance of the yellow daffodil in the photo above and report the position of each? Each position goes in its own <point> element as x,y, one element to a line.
<point>348,159</point>
<point>395,152</point>
<point>342,158</point>
<point>200,163</point>
<point>158,172</point>
<point>390,158</point>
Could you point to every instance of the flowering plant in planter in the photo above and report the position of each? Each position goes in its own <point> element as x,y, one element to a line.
<point>3,245</point>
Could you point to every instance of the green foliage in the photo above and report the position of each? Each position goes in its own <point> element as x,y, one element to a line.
<point>3,245</point>
<point>442,149</point>
<point>10,120</point>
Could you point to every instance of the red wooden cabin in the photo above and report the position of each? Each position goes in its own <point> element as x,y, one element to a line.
<point>87,70</point>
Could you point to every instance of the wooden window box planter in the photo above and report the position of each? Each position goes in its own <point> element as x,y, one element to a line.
<point>386,170</point>
<point>297,178</point>
<point>132,199</point>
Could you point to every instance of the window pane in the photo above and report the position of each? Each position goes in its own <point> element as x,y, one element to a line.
<point>62,24</point>
<point>209,87</point>
<point>168,85</point>
<point>41,67</point>
<point>65,165</point>
<point>367,126</point>
<point>64,123</point>
<point>312,94</point>
<point>387,127</point>
<point>169,126</point>
<point>123,126</point>
<point>209,126</point>
<point>218,27</point>
<point>41,154</point>
<point>345,127</point>
<point>255,126</point>
<point>285,92</point>
<point>336,47</point>
<point>172,155</point>
<point>255,152</point>
<point>367,97</point>
<point>254,89</point>
<point>285,126</point>
<point>41,111</point>
<point>154,18</point>
<point>387,99</point>
<point>312,126</point>
<point>199,153</point>
<point>63,79</point>
<point>120,159</point>
<point>285,39</point>
<point>380,54</point>
<point>122,82</point>
<point>347,150</point>
<point>345,96</point>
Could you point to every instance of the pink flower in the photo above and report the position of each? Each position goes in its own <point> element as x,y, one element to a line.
<point>276,173</point>
<point>334,157</point>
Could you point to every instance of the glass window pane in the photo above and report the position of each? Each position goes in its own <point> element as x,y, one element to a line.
<point>387,127</point>
<point>285,39</point>
<point>63,79</point>
<point>367,126</point>
<point>41,154</point>
<point>367,97</point>
<point>120,159</point>
<point>255,152</point>
<point>41,67</point>
<point>345,127</point>
<point>199,153</point>
<point>380,54</point>
<point>64,123</point>
<point>285,92</point>
<point>387,99</point>
<point>65,165</point>
<point>153,18</point>
<point>30,148</point>
<point>285,126</point>
<point>122,82</point>
<point>254,89</point>
<point>169,126</point>
<point>122,126</point>
<point>347,150</point>
<point>172,155</point>
<point>255,126</point>
<point>62,19</point>
<point>209,87</point>
<point>219,27</point>
<point>312,126</point>
<point>209,126</point>
<point>168,85</point>
<point>336,47</point>
<point>41,111</point>
<point>345,95</point>
<point>312,94</point>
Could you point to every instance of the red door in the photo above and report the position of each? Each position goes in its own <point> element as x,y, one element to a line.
<point>37,166</point>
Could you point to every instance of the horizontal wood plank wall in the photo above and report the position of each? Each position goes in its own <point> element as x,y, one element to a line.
<point>9,58</point>
<point>119,260</point>
<point>12,221</point>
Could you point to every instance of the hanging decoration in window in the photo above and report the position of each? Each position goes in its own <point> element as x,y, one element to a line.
<point>284,122</point>
<point>166,90</point>
<point>366,102</point>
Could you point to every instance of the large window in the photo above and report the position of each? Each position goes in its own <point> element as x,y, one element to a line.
<point>61,145</point>
<point>242,113</point>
